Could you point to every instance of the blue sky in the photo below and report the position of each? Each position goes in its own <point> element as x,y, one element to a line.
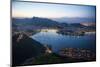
<point>30,9</point>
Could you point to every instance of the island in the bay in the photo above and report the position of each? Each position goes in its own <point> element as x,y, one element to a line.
<point>44,33</point>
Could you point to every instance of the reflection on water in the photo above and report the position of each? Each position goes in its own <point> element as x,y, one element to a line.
<point>49,30</point>
<point>59,41</point>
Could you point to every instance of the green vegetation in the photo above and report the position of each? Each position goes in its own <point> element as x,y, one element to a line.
<point>47,58</point>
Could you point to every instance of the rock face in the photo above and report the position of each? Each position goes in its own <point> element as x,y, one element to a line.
<point>23,48</point>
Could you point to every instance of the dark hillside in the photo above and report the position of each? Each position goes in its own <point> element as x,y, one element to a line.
<point>24,47</point>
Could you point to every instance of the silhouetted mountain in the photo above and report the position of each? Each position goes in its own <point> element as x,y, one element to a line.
<point>24,47</point>
<point>35,21</point>
<point>44,22</point>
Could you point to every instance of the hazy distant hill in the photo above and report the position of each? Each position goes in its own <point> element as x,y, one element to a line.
<point>74,20</point>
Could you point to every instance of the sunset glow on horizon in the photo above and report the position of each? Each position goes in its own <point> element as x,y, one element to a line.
<point>30,9</point>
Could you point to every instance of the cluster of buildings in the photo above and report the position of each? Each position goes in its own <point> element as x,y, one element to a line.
<point>77,53</point>
<point>48,49</point>
<point>88,24</point>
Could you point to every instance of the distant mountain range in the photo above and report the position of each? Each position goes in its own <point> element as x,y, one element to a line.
<point>38,23</point>
<point>35,23</point>
<point>74,20</point>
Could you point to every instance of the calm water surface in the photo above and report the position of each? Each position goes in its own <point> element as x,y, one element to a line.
<point>59,41</point>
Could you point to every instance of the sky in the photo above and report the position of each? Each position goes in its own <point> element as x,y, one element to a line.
<point>31,9</point>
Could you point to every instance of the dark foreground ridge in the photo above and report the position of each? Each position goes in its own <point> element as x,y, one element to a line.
<point>23,47</point>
